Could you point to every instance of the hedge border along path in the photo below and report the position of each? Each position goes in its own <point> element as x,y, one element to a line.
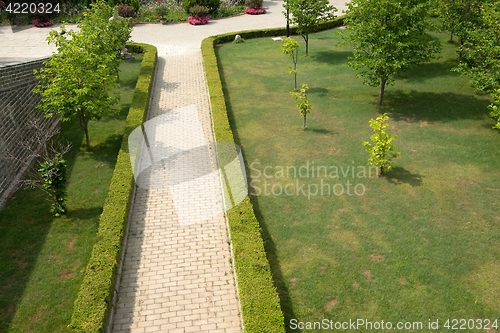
<point>259,300</point>
<point>92,306</point>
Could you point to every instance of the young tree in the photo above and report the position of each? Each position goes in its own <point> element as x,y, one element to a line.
<point>76,81</point>
<point>388,36</point>
<point>302,102</point>
<point>480,56</point>
<point>308,14</point>
<point>290,46</point>
<point>382,151</point>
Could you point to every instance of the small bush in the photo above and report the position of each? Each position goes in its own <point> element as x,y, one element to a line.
<point>198,11</point>
<point>131,3</point>
<point>253,3</point>
<point>229,9</point>
<point>212,5</point>
<point>162,10</point>
<point>126,11</point>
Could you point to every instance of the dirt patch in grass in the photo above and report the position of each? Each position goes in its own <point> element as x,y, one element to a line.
<point>368,275</point>
<point>66,274</point>
<point>71,244</point>
<point>331,304</point>
<point>376,257</point>
<point>403,281</point>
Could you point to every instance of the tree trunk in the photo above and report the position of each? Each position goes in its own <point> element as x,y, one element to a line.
<point>84,123</point>
<point>87,139</point>
<point>295,70</point>
<point>382,90</point>
<point>305,122</point>
<point>306,39</point>
<point>451,37</point>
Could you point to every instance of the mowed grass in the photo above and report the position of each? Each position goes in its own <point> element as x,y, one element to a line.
<point>43,258</point>
<point>421,243</point>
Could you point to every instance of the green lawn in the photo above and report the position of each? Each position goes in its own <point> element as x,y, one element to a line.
<point>421,243</point>
<point>44,258</point>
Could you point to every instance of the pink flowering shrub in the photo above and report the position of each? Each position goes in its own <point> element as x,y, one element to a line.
<point>255,11</point>
<point>198,20</point>
<point>40,23</point>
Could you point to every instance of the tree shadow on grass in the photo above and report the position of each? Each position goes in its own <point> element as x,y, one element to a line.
<point>129,81</point>
<point>416,106</point>
<point>229,107</point>
<point>427,71</point>
<point>399,175</point>
<point>107,151</point>
<point>331,57</point>
<point>85,213</point>
<point>320,91</point>
<point>272,257</point>
<point>321,130</point>
<point>25,223</point>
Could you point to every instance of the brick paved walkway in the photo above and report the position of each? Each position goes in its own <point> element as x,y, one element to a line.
<point>177,273</point>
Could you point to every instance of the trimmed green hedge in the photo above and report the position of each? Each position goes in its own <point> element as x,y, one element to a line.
<point>93,303</point>
<point>258,297</point>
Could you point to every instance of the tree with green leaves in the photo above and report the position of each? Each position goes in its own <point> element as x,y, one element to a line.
<point>291,47</point>
<point>77,80</point>
<point>389,36</point>
<point>480,56</point>
<point>382,150</point>
<point>308,14</point>
<point>459,16</point>
<point>302,102</point>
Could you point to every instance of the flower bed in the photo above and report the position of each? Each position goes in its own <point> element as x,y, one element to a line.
<point>42,23</point>
<point>198,20</point>
<point>255,11</point>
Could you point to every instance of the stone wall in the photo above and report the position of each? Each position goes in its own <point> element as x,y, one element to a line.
<point>17,108</point>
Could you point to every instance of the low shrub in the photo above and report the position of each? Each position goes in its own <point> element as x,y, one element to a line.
<point>40,23</point>
<point>198,11</point>
<point>198,20</point>
<point>212,5</point>
<point>92,306</point>
<point>131,3</point>
<point>253,3</point>
<point>229,9</point>
<point>162,11</point>
<point>126,11</point>
<point>255,11</point>
<point>258,297</point>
